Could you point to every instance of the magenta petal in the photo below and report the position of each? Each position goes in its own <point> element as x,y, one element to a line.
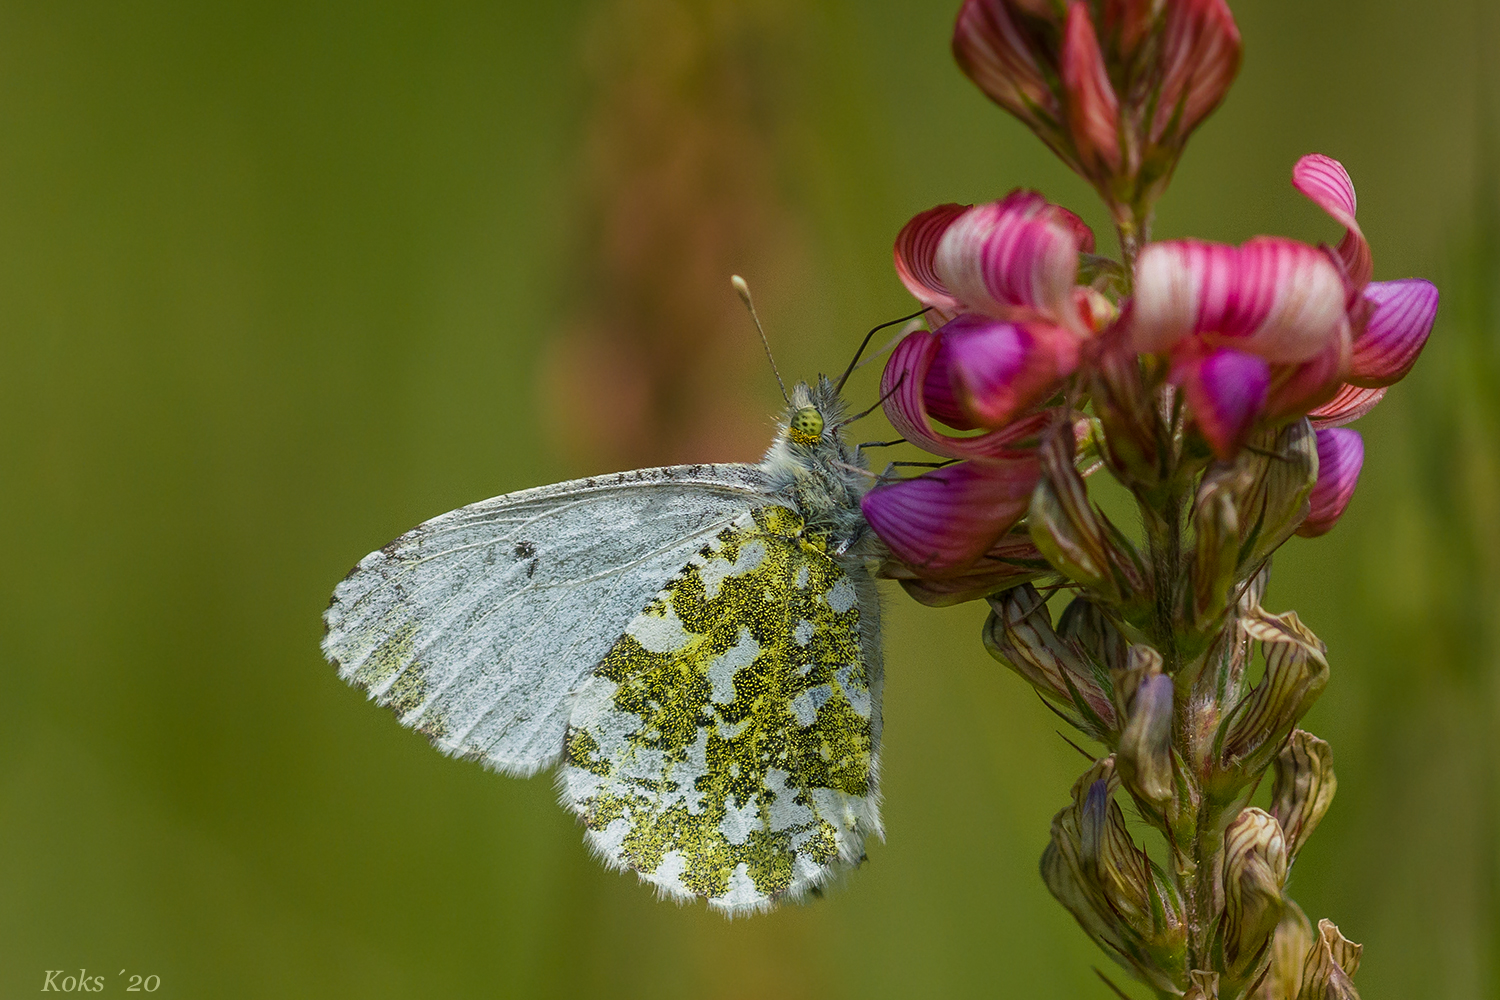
<point>916,248</point>
<point>939,397</point>
<point>1014,259</point>
<point>999,370</point>
<point>1401,319</point>
<point>903,386</point>
<point>1325,181</point>
<point>1341,454</point>
<point>1225,390</point>
<point>942,521</point>
<point>1277,298</point>
<point>1347,405</point>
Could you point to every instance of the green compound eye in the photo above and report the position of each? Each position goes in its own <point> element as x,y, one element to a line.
<point>806,426</point>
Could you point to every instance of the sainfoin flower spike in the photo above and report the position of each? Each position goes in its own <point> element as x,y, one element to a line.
<point>1214,382</point>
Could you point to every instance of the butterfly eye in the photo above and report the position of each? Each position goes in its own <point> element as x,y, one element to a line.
<point>806,426</point>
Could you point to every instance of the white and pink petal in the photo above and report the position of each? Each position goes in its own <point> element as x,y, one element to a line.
<point>916,253</point>
<point>1016,258</point>
<point>1279,299</point>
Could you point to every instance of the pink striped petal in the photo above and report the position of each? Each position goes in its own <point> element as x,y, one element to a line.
<point>1341,454</point>
<point>1347,405</point>
<point>1296,389</point>
<point>1276,298</point>
<point>944,520</point>
<point>1014,259</point>
<point>1093,109</point>
<point>903,386</point>
<point>1226,391</point>
<point>1397,330</point>
<point>999,370</point>
<point>994,51</point>
<point>1200,55</point>
<point>916,250</point>
<point>1325,181</point>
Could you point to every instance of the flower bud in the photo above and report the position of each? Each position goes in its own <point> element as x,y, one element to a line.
<point>1145,754</point>
<point>1255,863</point>
<point>1019,634</point>
<point>1304,787</point>
<point>995,49</point>
<point>1131,423</point>
<point>1074,536</point>
<point>1200,55</point>
<point>1139,665</point>
<point>1085,626</point>
<point>1048,63</point>
<point>1296,673</point>
<point>1330,966</point>
<point>1093,110</point>
<point>1216,553</point>
<point>1111,888</point>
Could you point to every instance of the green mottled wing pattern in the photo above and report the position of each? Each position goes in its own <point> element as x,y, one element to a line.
<point>727,744</point>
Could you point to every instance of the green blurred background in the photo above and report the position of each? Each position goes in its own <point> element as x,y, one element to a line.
<point>278,281</point>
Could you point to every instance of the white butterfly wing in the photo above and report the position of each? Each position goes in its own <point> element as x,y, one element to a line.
<point>475,626</point>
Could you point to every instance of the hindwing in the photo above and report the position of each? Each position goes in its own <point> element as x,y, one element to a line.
<point>727,744</point>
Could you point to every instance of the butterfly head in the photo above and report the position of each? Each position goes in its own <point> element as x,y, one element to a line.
<point>805,426</point>
<point>813,415</point>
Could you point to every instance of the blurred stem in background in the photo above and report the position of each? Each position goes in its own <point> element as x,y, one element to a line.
<point>678,191</point>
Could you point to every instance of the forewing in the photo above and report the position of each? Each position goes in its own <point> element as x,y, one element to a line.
<point>727,745</point>
<point>475,626</point>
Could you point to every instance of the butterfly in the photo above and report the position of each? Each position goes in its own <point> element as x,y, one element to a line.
<point>694,649</point>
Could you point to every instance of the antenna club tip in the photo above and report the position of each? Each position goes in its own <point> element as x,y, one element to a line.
<point>741,288</point>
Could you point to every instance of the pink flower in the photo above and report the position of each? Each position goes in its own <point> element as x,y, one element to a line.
<point>1270,330</point>
<point>1001,279</point>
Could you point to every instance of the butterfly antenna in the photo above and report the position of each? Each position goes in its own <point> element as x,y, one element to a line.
<point>743,291</point>
<point>866,343</point>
